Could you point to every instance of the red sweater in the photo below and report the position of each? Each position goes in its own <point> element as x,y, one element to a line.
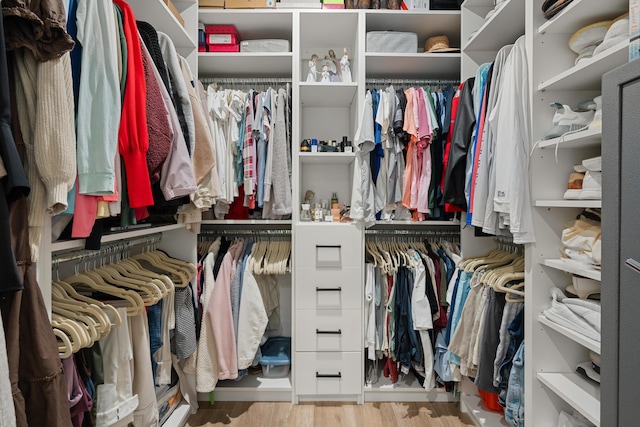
<point>133,136</point>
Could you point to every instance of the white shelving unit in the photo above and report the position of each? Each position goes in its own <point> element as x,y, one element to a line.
<point>325,112</point>
<point>587,342</point>
<point>482,38</point>
<point>553,351</point>
<point>578,392</point>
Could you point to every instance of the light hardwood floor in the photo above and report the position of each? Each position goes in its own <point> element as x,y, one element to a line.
<point>329,414</point>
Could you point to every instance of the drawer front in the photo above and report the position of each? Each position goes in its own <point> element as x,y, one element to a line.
<point>326,246</point>
<point>328,330</point>
<point>328,373</point>
<point>322,288</point>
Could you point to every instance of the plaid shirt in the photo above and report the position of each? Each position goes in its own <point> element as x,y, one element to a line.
<point>249,155</point>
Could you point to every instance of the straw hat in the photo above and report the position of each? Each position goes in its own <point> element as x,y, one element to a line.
<point>589,35</point>
<point>439,44</point>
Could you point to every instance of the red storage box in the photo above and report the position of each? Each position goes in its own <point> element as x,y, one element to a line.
<point>223,48</point>
<point>221,35</point>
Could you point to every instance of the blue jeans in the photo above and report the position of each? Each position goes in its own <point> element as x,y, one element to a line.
<point>514,411</point>
<point>154,315</point>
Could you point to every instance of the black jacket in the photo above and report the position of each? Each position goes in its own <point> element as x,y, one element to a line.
<point>454,179</point>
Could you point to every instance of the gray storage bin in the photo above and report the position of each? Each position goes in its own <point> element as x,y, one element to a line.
<point>392,41</point>
<point>264,45</point>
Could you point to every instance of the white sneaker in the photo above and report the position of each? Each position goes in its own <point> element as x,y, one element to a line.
<point>591,186</point>
<point>596,123</point>
<point>593,164</point>
<point>566,120</point>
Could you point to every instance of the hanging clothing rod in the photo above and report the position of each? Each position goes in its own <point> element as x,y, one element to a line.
<point>256,232</point>
<point>411,82</point>
<point>413,233</point>
<point>246,81</point>
<point>106,249</point>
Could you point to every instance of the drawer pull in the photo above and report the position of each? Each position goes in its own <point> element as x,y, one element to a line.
<point>338,289</point>
<point>633,264</point>
<point>329,246</point>
<point>338,332</point>
<point>319,375</point>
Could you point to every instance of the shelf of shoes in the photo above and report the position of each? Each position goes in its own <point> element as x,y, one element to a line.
<point>587,342</point>
<point>582,139</point>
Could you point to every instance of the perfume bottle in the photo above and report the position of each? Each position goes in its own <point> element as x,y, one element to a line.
<point>305,146</point>
<point>305,214</point>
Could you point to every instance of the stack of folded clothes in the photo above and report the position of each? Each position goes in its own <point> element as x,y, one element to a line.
<point>581,239</point>
<point>579,315</point>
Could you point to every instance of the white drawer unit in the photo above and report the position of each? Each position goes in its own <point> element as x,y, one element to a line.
<point>328,330</point>
<point>327,246</point>
<point>330,289</point>
<point>328,373</point>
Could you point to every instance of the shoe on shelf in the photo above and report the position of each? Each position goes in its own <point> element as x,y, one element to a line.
<point>591,186</point>
<point>574,186</point>
<point>566,120</point>
<point>596,123</point>
<point>593,164</point>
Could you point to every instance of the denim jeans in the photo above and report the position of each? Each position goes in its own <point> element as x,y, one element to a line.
<point>155,332</point>
<point>514,410</point>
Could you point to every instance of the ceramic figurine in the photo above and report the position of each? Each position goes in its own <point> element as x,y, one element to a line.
<point>345,67</point>
<point>313,70</point>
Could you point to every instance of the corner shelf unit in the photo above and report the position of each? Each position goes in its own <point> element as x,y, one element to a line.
<point>553,351</point>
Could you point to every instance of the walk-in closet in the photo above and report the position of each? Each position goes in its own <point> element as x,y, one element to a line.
<point>318,213</point>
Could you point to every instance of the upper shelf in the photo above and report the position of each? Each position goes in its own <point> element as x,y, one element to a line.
<point>252,23</point>
<point>572,267</point>
<point>582,139</point>
<point>327,94</point>
<point>502,28</point>
<point>424,23</point>
<point>65,245</point>
<point>158,14</point>
<point>587,74</point>
<point>243,64</point>
<point>413,65</point>
<point>583,12</point>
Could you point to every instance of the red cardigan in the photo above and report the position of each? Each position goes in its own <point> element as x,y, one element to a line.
<point>133,136</point>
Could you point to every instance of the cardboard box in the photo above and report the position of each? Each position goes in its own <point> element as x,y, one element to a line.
<point>211,3</point>
<point>175,12</point>
<point>250,4</point>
